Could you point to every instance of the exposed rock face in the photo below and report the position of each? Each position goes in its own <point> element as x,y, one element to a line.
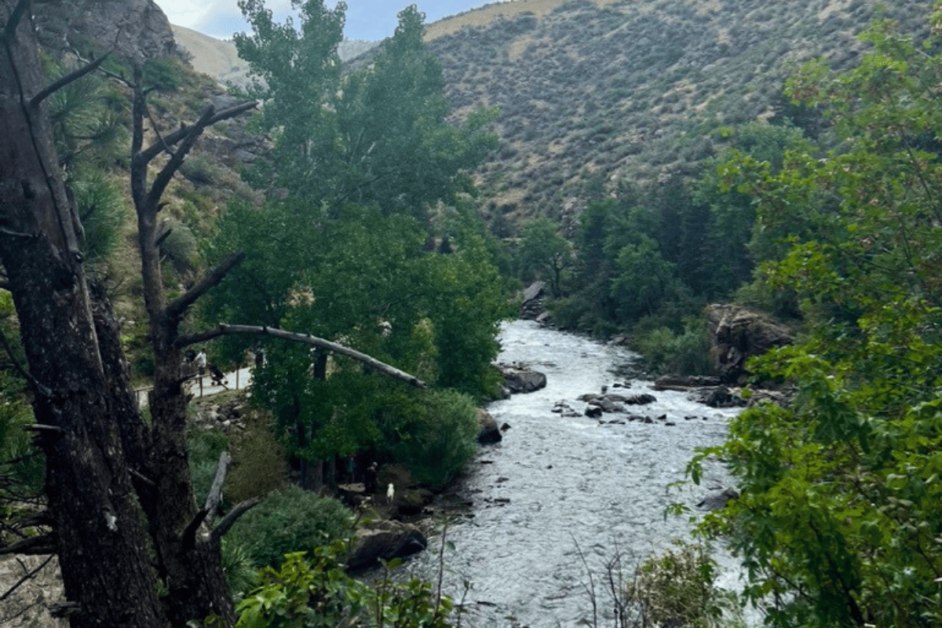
<point>385,540</point>
<point>740,333</point>
<point>531,307</point>
<point>136,30</point>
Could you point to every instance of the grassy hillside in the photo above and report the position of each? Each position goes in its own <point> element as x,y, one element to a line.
<point>632,90</point>
<point>594,94</point>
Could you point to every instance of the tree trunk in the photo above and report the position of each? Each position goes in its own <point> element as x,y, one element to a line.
<point>102,546</point>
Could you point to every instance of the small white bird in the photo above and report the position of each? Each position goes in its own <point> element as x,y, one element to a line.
<point>390,493</point>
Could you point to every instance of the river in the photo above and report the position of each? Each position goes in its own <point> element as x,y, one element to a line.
<point>558,489</point>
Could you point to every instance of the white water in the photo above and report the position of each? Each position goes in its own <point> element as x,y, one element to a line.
<point>570,482</point>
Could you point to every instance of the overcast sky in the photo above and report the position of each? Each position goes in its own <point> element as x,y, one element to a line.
<point>369,20</point>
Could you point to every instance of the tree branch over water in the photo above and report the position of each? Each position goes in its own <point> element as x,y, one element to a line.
<point>314,341</point>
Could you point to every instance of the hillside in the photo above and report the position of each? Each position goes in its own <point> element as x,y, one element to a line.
<point>612,91</point>
<point>632,90</point>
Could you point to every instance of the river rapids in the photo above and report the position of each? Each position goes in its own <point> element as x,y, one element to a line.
<point>561,496</point>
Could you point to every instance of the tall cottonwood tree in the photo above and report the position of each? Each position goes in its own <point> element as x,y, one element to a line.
<point>123,519</point>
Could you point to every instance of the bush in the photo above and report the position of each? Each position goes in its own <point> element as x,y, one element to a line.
<point>676,588</point>
<point>439,437</point>
<point>292,520</point>
<point>258,464</point>
<point>687,353</point>
<point>101,211</point>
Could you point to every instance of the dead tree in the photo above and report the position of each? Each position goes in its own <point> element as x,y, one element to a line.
<point>118,492</point>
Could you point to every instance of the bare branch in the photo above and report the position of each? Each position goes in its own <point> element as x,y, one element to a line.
<point>26,577</point>
<point>215,492</point>
<point>227,522</point>
<point>33,546</point>
<point>148,154</point>
<point>314,341</point>
<point>162,180</point>
<point>189,534</point>
<point>66,80</point>
<point>43,429</point>
<point>178,307</point>
<point>9,29</point>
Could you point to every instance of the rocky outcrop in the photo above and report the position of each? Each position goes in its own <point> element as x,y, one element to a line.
<point>489,432</point>
<point>738,334</point>
<point>136,30</point>
<point>384,540</point>
<point>521,379</point>
<point>531,307</point>
<point>717,397</point>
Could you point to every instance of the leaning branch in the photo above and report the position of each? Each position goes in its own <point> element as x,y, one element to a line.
<point>66,80</point>
<point>314,341</point>
<point>233,516</point>
<point>9,30</point>
<point>148,154</point>
<point>33,546</point>
<point>178,307</point>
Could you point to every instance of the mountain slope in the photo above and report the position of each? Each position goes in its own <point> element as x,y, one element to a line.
<point>602,93</point>
<point>633,90</point>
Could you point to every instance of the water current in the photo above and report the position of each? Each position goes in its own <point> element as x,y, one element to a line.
<point>560,493</point>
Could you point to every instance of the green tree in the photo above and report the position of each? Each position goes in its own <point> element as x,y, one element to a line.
<point>544,254</point>
<point>841,505</point>
<point>342,247</point>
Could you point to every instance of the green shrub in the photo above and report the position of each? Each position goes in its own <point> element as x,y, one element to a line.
<point>292,520</point>
<point>238,567</point>
<point>439,437</point>
<point>676,588</point>
<point>687,353</point>
<point>314,591</point>
<point>258,464</point>
<point>101,211</point>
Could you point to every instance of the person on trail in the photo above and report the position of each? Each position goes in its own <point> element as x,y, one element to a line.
<point>201,362</point>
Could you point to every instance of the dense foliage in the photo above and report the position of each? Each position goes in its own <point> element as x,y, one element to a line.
<point>841,511</point>
<point>367,237</point>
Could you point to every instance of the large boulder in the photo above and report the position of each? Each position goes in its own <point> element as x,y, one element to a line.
<point>521,379</point>
<point>384,540</point>
<point>489,431</point>
<point>136,30</point>
<point>739,332</point>
<point>531,306</point>
<point>718,501</point>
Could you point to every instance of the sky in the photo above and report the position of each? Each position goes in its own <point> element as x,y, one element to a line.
<point>369,20</point>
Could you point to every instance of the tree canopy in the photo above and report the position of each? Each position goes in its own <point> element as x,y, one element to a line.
<point>365,176</point>
<point>840,513</point>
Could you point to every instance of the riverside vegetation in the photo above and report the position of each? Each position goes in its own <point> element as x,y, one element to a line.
<point>360,223</point>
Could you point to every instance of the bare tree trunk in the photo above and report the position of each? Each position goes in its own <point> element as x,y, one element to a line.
<point>102,546</point>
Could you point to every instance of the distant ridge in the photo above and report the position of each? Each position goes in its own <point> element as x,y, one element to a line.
<point>482,16</point>
<point>220,59</point>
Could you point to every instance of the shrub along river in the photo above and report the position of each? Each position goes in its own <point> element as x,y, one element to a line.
<point>560,489</point>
